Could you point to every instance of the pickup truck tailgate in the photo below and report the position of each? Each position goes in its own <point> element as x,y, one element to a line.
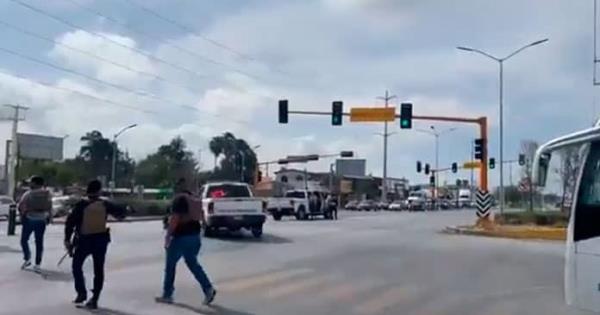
<point>238,206</point>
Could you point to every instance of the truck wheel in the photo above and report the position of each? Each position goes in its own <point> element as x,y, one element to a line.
<point>301,214</point>
<point>257,231</point>
<point>277,216</point>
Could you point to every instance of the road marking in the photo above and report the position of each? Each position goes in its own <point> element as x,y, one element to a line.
<point>260,280</point>
<point>297,286</point>
<point>346,291</point>
<point>384,300</point>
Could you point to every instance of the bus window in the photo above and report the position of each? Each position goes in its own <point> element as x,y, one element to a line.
<point>587,212</point>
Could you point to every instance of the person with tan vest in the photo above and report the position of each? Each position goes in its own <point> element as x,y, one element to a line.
<point>35,208</point>
<point>86,231</point>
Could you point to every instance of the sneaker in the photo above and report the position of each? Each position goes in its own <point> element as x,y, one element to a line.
<point>92,304</point>
<point>26,264</point>
<point>210,296</point>
<point>79,299</point>
<point>162,299</point>
<point>37,269</point>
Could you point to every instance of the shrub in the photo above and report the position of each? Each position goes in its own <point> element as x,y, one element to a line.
<point>144,207</point>
<point>550,218</point>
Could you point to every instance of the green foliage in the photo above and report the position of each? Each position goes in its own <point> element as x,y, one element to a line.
<point>171,162</point>
<point>546,218</point>
<point>236,158</point>
<point>143,207</point>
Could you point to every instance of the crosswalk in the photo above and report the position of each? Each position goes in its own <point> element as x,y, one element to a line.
<point>322,288</point>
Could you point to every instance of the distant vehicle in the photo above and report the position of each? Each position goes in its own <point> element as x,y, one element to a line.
<point>367,205</point>
<point>351,205</point>
<point>61,205</point>
<point>231,205</point>
<point>301,204</point>
<point>417,201</point>
<point>5,202</point>
<point>396,206</point>
<point>464,198</point>
<point>382,205</point>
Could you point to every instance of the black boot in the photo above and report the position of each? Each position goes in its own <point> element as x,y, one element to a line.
<point>80,299</point>
<point>92,304</point>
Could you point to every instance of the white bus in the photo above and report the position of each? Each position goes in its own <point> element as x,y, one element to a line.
<point>582,264</point>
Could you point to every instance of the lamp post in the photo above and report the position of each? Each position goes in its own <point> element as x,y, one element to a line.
<point>114,157</point>
<point>501,105</point>
<point>434,132</point>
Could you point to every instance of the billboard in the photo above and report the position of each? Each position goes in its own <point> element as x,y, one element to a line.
<point>40,147</point>
<point>350,167</point>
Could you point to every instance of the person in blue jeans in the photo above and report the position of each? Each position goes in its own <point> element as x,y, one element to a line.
<point>183,240</point>
<point>35,207</point>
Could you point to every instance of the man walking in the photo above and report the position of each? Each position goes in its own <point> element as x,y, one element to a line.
<point>183,239</point>
<point>86,231</point>
<point>35,208</point>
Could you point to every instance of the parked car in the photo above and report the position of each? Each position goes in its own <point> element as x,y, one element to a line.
<point>351,205</point>
<point>396,206</point>
<point>367,205</point>
<point>5,202</point>
<point>382,205</point>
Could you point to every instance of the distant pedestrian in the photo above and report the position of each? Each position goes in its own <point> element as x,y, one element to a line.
<point>183,240</point>
<point>86,231</point>
<point>333,206</point>
<point>35,208</point>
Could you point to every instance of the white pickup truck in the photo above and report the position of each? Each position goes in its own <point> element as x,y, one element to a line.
<point>301,204</point>
<point>231,205</point>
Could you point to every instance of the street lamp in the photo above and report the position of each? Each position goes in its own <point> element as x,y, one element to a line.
<point>501,66</point>
<point>114,157</point>
<point>434,132</point>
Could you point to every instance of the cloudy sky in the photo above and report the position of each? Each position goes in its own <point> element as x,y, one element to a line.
<point>200,68</point>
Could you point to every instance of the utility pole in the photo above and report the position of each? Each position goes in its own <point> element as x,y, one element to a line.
<point>387,98</point>
<point>14,148</point>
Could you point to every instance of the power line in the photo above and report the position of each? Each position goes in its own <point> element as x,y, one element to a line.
<point>189,30</point>
<point>91,55</point>
<point>71,71</point>
<point>79,28</point>
<point>72,91</point>
<point>165,42</point>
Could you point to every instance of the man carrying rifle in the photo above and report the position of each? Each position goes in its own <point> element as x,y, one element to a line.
<point>87,221</point>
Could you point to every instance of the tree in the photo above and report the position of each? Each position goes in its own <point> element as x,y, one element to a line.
<point>569,167</point>
<point>97,153</point>
<point>171,162</point>
<point>238,159</point>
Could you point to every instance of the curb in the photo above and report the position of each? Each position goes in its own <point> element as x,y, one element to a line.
<point>514,232</point>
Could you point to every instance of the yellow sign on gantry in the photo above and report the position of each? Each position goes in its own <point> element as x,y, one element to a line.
<point>372,114</point>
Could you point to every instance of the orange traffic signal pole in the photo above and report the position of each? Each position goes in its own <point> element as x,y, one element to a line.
<point>483,134</point>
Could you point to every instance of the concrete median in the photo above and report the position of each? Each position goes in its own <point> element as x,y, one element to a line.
<point>512,231</point>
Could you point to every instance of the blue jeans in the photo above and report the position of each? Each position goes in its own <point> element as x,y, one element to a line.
<point>37,227</point>
<point>187,246</point>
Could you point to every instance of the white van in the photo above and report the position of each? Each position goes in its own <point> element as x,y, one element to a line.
<point>582,263</point>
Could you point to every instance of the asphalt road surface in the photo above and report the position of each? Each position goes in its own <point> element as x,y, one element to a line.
<point>364,263</point>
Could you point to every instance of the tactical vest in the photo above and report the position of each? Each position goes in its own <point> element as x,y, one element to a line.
<point>94,218</point>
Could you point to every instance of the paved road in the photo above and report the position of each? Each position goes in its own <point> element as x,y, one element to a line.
<point>365,263</point>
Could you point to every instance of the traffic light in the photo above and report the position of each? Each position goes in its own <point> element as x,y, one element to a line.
<point>454,167</point>
<point>347,154</point>
<point>259,176</point>
<point>426,169</point>
<point>337,111</point>
<point>283,111</point>
<point>432,180</point>
<point>458,183</point>
<point>406,115</point>
<point>492,163</point>
<point>479,148</point>
<point>419,166</point>
<point>521,159</point>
